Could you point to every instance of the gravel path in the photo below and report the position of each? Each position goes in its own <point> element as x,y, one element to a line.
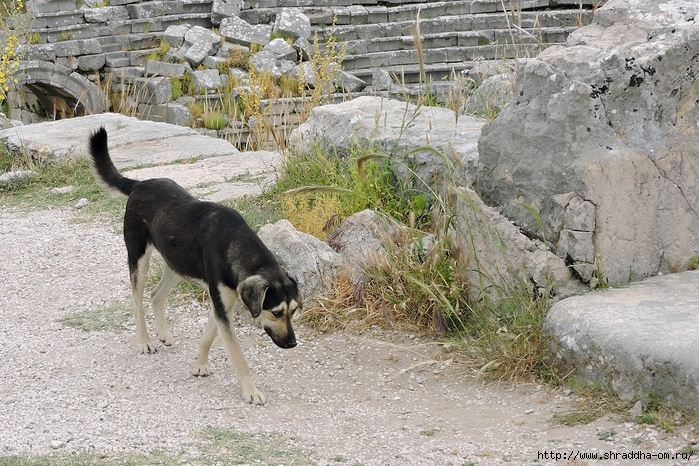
<point>372,400</point>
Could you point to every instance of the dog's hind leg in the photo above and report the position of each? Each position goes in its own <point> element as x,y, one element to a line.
<point>158,295</point>
<point>201,360</point>
<point>139,270</point>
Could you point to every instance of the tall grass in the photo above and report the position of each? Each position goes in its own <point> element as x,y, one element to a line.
<point>424,281</point>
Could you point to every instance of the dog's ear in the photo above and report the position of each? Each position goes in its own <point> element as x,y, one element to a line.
<point>252,291</point>
<point>299,296</point>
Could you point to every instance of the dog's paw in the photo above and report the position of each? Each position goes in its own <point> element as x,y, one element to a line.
<point>166,338</point>
<point>147,348</point>
<point>253,396</point>
<point>201,370</point>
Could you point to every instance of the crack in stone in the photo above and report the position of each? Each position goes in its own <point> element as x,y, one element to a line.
<point>679,188</point>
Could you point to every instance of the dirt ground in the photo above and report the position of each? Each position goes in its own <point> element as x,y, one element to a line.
<point>375,399</point>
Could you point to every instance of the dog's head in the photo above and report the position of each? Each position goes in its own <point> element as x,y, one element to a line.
<point>274,300</point>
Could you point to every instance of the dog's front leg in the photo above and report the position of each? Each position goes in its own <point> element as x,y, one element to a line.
<point>250,393</point>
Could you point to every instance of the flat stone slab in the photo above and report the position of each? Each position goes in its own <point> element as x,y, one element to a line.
<point>218,178</point>
<point>132,142</point>
<point>210,168</point>
<point>633,340</point>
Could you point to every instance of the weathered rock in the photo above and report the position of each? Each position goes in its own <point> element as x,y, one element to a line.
<point>209,178</point>
<point>381,80</point>
<point>483,69</point>
<point>202,43</point>
<point>265,62</point>
<point>91,62</point>
<point>611,119</point>
<point>349,82</point>
<point>241,32</point>
<point>502,260</point>
<point>159,68</point>
<point>491,96</point>
<point>106,13</point>
<point>154,90</point>
<point>9,178</point>
<point>206,80</point>
<point>310,260</point>
<point>293,23</point>
<point>132,142</point>
<point>214,62</point>
<point>398,128</point>
<point>359,238</point>
<point>221,9</point>
<point>4,122</point>
<point>281,50</point>
<point>633,340</point>
<point>174,35</point>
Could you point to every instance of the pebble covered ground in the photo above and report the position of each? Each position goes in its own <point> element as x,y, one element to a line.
<point>376,399</point>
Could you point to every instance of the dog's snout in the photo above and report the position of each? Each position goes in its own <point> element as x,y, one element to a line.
<point>283,341</point>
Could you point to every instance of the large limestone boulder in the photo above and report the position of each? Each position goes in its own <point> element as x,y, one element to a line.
<point>633,340</point>
<point>602,140</point>
<point>400,129</point>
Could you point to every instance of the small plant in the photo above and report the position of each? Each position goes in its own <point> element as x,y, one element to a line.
<point>65,35</point>
<point>238,57</point>
<point>196,109</point>
<point>289,86</point>
<point>693,263</point>
<point>14,27</point>
<point>222,67</point>
<point>214,120</point>
<point>158,55</point>
<point>325,63</point>
<point>34,38</point>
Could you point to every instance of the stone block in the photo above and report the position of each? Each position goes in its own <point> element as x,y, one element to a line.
<point>200,35</point>
<point>104,14</point>
<point>69,62</point>
<point>156,8</point>
<point>45,52</point>
<point>117,59</point>
<point>214,62</point>
<point>265,62</point>
<point>281,50</point>
<point>225,9</point>
<point>91,62</point>
<point>68,48</point>
<point>196,53</point>
<point>206,80</point>
<point>159,68</point>
<point>174,35</point>
<point>292,22</point>
<point>153,90</point>
<point>40,7</point>
<point>241,32</point>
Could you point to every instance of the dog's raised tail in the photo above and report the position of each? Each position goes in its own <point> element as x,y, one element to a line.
<point>102,167</point>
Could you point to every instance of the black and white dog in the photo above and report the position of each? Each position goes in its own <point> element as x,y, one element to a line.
<point>208,244</point>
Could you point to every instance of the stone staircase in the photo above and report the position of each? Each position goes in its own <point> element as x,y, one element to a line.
<point>379,34</point>
<point>97,41</point>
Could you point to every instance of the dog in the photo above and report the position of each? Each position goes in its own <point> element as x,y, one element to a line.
<point>207,244</point>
